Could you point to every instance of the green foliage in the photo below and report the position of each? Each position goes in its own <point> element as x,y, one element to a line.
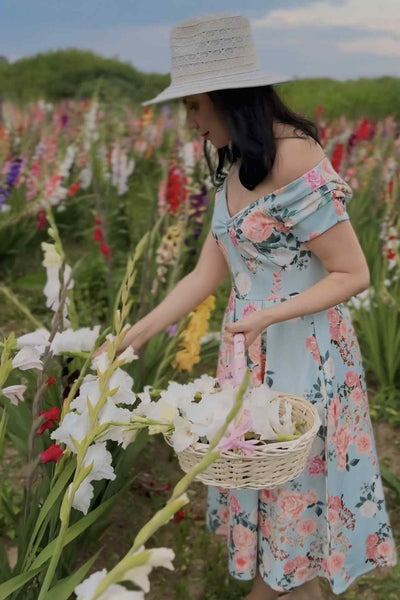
<point>74,73</point>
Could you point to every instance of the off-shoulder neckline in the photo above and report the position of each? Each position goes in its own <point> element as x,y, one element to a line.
<point>255,202</point>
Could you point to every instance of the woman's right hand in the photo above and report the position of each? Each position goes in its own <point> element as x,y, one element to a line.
<point>133,337</point>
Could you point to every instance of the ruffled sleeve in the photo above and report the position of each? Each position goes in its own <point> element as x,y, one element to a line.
<point>313,206</point>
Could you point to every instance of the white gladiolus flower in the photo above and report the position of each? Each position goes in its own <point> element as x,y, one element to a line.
<point>182,435</point>
<point>88,391</point>
<point>78,340</point>
<point>109,413</point>
<point>15,393</point>
<point>145,400</point>
<point>27,358</point>
<point>87,589</point>
<point>51,256</point>
<point>160,557</point>
<point>161,410</point>
<point>102,469</point>
<point>38,339</point>
<point>73,425</point>
<point>85,177</point>
<point>209,415</point>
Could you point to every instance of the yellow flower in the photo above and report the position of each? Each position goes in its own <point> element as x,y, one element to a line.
<point>197,327</point>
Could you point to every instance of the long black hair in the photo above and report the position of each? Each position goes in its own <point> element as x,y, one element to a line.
<point>249,114</point>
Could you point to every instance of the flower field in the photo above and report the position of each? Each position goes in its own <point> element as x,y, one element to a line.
<point>103,210</point>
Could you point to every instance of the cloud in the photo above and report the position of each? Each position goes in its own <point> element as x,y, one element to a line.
<point>367,15</point>
<point>382,46</point>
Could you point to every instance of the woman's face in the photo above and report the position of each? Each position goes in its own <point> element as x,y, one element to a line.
<point>202,116</point>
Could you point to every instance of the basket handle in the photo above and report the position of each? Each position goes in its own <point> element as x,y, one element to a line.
<point>239,359</point>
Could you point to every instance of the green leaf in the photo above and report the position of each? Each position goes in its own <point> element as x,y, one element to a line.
<point>52,497</point>
<point>73,531</point>
<point>32,281</point>
<point>16,582</point>
<point>65,587</point>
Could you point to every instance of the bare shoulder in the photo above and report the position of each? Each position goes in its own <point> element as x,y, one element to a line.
<point>294,157</point>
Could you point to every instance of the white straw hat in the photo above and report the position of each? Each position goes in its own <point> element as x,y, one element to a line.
<point>214,52</point>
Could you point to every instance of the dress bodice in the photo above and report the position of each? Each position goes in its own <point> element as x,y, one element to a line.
<point>265,242</point>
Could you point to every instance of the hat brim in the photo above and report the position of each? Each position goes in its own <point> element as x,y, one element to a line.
<point>250,79</point>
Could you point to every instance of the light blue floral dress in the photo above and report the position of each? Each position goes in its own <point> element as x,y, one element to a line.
<point>331,521</point>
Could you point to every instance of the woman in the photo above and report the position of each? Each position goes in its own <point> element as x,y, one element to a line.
<point>281,229</point>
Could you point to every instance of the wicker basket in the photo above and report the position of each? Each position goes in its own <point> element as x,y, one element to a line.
<point>269,465</point>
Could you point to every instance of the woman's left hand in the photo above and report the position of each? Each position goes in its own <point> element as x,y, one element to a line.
<point>251,326</point>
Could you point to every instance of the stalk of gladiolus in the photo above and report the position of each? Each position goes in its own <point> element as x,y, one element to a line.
<point>178,498</point>
<point>81,470</point>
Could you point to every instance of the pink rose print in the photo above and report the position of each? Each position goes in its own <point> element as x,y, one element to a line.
<point>352,379</point>
<point>242,562</point>
<point>335,332</point>
<point>342,438</point>
<point>310,497</point>
<point>339,208</point>
<point>243,538</point>
<point>333,515</point>
<point>356,395</point>
<point>334,412</point>
<point>289,567</point>
<point>256,375</point>
<point>313,235</point>
<point>299,566</point>
<point>232,235</point>
<point>292,505</point>
<point>248,310</point>
<point>312,346</point>
<point>335,502</point>
<point>268,496</point>
<point>234,505</point>
<point>265,527</point>
<point>316,467</point>
<point>363,443</point>
<point>336,562</point>
<point>306,527</point>
<point>333,317</point>
<point>343,329</point>
<point>314,179</point>
<point>258,226</point>
<point>223,514</point>
<point>385,549</point>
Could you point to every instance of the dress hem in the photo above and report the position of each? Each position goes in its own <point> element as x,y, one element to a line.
<point>322,576</point>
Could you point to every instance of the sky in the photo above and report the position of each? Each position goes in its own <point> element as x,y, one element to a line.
<point>341,39</point>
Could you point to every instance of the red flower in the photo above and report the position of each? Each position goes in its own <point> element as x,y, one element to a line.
<point>105,249</point>
<point>98,220</point>
<point>73,189</point>
<point>98,235</point>
<point>50,381</point>
<point>52,454</point>
<point>337,157</point>
<point>318,111</point>
<point>365,130</point>
<point>165,487</point>
<point>41,219</point>
<point>179,515</point>
<point>51,415</point>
